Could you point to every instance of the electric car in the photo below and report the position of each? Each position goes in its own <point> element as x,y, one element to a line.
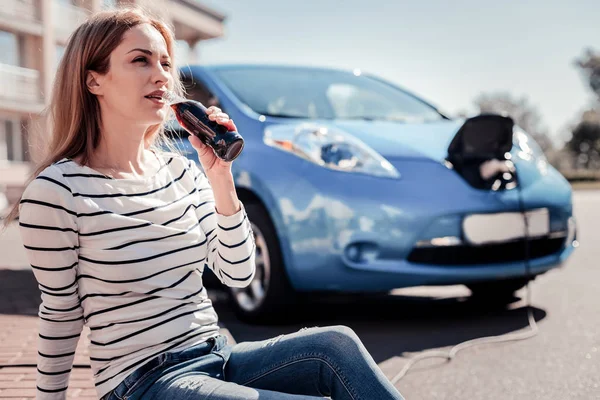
<point>353,184</point>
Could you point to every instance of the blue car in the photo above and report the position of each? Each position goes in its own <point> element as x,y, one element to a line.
<point>353,184</point>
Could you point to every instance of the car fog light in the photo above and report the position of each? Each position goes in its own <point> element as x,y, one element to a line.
<point>362,252</point>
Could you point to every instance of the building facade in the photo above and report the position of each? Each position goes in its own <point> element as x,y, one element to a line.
<point>33,35</point>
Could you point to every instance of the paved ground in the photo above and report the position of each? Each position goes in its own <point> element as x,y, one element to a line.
<point>562,362</point>
<point>19,301</point>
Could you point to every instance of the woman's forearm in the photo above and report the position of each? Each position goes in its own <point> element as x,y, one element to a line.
<point>226,200</point>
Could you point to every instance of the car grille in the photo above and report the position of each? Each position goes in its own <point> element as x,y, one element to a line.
<point>486,254</point>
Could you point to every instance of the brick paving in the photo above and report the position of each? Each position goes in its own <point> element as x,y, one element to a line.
<point>19,304</point>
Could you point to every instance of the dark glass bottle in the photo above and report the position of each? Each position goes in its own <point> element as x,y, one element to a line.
<point>192,116</point>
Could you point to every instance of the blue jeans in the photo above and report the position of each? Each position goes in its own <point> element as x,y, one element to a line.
<point>309,364</point>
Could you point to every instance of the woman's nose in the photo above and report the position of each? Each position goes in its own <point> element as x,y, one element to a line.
<point>161,75</point>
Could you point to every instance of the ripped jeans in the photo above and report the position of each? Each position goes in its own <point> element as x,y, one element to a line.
<point>312,363</point>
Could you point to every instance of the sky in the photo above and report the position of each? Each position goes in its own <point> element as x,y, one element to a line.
<point>446,52</point>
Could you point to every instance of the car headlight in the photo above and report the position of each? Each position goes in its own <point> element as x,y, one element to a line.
<point>529,150</point>
<point>330,148</point>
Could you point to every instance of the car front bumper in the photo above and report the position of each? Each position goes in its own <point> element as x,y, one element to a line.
<point>358,233</point>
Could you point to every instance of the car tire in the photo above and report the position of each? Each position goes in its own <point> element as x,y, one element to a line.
<point>500,291</point>
<point>270,294</point>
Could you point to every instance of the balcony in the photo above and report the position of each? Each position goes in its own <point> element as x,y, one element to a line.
<point>67,17</point>
<point>195,22</point>
<point>22,9</point>
<point>20,89</point>
<point>21,16</point>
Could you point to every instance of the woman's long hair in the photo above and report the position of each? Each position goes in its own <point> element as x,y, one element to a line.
<point>74,113</point>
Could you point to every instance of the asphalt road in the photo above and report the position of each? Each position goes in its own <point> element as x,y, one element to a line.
<point>561,362</point>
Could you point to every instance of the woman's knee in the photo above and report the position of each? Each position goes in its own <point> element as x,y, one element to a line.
<point>337,338</point>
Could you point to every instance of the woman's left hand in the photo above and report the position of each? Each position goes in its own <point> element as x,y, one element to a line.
<point>213,165</point>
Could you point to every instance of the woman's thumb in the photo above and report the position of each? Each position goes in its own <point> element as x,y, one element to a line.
<point>197,143</point>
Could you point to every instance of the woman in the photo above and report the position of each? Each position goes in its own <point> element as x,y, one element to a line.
<point>118,233</point>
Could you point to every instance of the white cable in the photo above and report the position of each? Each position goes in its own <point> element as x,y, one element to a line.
<point>470,343</point>
<point>489,339</point>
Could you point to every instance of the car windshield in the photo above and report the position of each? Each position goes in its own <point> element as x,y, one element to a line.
<point>323,94</point>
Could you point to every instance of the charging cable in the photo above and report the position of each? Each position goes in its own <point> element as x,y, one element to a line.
<point>488,339</point>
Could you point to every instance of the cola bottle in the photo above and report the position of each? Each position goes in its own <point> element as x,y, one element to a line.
<point>192,116</point>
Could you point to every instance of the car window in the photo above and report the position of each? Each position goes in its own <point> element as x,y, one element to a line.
<point>323,94</point>
<point>196,90</point>
<point>353,102</point>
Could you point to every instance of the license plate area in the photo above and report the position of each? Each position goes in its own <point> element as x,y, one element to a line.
<point>479,229</point>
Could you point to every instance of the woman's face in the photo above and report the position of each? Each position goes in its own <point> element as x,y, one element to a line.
<point>139,66</point>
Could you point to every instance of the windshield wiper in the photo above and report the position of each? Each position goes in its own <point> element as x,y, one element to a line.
<point>367,118</point>
<point>284,115</point>
<point>360,118</point>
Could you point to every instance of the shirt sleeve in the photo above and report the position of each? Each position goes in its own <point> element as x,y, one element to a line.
<point>231,246</point>
<point>48,228</point>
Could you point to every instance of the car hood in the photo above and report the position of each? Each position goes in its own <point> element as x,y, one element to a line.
<point>404,140</point>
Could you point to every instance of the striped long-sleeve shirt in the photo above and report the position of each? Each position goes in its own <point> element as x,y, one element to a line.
<point>125,257</point>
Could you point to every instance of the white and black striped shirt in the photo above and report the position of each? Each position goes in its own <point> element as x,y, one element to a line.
<point>125,257</point>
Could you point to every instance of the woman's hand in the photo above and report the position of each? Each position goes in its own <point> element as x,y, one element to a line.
<point>213,165</point>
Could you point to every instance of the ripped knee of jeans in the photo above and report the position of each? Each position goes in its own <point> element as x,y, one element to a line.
<point>272,341</point>
<point>191,384</point>
<point>306,328</point>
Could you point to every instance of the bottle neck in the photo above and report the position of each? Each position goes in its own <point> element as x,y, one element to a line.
<point>173,98</point>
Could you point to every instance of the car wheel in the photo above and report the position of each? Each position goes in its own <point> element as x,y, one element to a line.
<point>269,293</point>
<point>497,291</point>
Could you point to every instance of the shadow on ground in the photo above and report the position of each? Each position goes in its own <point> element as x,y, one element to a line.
<point>390,325</point>
<point>19,292</point>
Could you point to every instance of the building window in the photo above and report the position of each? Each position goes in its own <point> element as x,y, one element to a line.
<point>12,142</point>
<point>3,144</point>
<point>9,48</point>
<point>25,126</point>
<point>60,51</point>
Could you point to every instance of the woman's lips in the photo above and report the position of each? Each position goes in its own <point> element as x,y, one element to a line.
<point>157,101</point>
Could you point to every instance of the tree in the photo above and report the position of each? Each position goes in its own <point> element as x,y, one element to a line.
<point>584,144</point>
<point>589,64</point>
<point>524,114</point>
<point>585,141</point>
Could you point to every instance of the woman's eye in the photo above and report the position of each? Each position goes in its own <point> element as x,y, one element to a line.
<point>145,61</point>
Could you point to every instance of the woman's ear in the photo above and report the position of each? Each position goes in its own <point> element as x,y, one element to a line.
<point>92,82</point>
